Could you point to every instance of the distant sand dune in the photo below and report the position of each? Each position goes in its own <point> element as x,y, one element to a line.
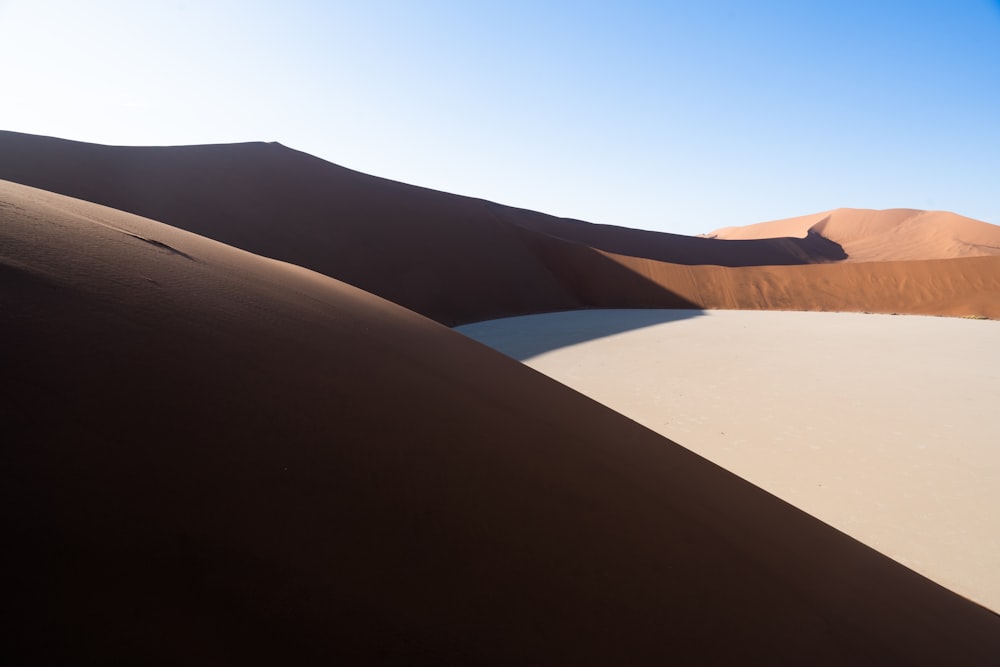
<point>882,236</point>
<point>214,457</point>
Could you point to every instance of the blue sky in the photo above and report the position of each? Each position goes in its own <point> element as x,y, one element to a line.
<point>676,116</point>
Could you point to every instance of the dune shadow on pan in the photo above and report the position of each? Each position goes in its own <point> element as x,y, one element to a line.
<point>531,335</point>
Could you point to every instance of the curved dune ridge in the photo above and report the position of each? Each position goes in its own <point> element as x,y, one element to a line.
<point>219,458</point>
<point>881,236</point>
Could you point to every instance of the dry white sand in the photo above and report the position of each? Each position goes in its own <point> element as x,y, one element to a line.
<point>886,427</point>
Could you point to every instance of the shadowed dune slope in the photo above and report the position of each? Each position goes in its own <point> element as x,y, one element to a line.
<point>213,457</point>
<point>458,259</point>
<point>439,255</point>
<point>879,236</point>
<point>812,248</point>
<point>452,258</point>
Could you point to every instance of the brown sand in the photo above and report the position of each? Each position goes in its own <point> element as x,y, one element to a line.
<point>213,457</point>
<point>881,236</point>
<point>885,427</point>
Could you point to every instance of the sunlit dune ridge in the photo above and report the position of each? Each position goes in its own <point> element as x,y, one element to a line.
<point>881,236</point>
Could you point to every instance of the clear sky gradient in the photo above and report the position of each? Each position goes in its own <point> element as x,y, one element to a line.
<point>677,116</point>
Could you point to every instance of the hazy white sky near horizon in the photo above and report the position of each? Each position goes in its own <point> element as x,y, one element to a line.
<point>676,116</point>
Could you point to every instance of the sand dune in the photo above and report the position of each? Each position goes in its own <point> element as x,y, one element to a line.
<point>885,427</point>
<point>455,259</point>
<point>214,457</point>
<point>441,256</point>
<point>458,259</point>
<point>882,236</point>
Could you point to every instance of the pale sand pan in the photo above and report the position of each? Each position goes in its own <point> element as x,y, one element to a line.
<point>886,427</point>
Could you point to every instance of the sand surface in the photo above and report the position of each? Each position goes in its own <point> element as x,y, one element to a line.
<point>211,457</point>
<point>885,427</point>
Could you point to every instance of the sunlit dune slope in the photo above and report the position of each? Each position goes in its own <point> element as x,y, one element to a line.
<point>879,236</point>
<point>963,287</point>
<point>213,457</point>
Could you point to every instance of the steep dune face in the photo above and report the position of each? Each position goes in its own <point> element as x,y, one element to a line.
<point>965,287</point>
<point>879,236</point>
<point>214,457</point>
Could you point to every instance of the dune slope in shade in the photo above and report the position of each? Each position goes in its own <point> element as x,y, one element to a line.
<point>458,259</point>
<point>215,457</point>
<point>885,427</point>
<point>676,248</point>
<point>880,236</point>
<point>452,258</point>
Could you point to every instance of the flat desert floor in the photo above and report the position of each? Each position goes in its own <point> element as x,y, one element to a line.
<point>886,427</point>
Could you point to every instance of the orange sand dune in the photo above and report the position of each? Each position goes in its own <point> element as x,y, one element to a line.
<point>965,287</point>
<point>213,457</point>
<point>879,236</point>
